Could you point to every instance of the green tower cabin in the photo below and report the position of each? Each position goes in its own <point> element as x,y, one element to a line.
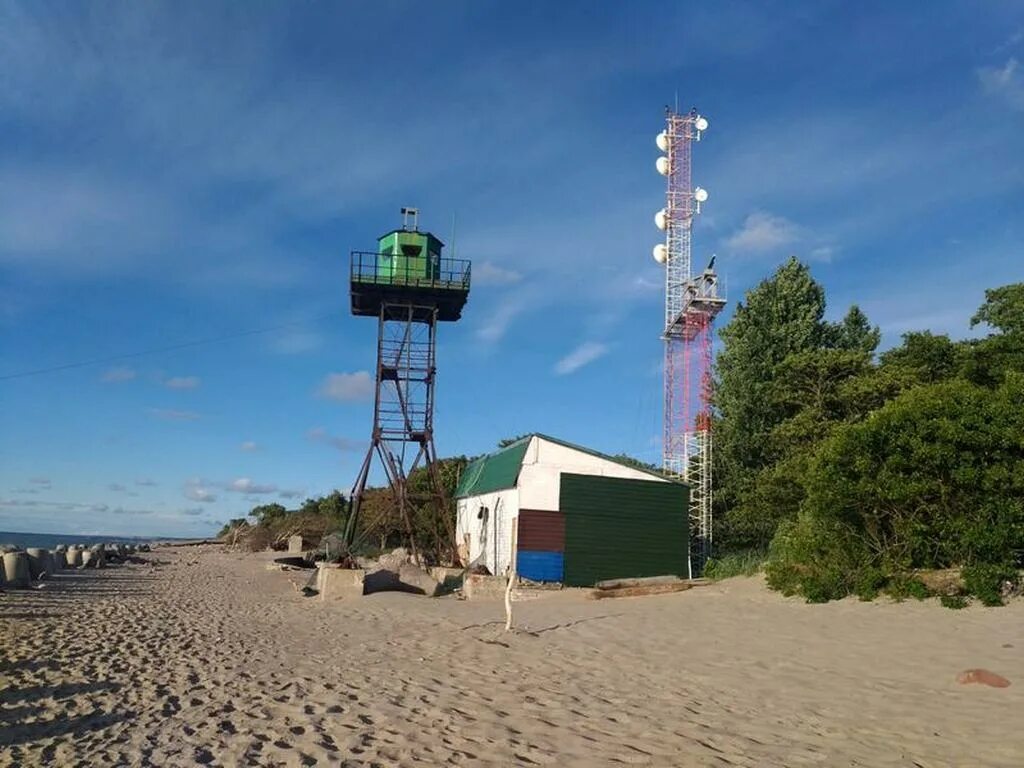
<point>408,268</point>
<point>409,287</point>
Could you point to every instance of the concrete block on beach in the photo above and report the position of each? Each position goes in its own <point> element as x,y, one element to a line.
<point>334,583</point>
<point>59,559</point>
<point>39,562</point>
<point>295,544</point>
<point>73,557</point>
<point>16,569</point>
<point>477,586</point>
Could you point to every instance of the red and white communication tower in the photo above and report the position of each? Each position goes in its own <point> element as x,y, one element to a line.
<point>691,304</point>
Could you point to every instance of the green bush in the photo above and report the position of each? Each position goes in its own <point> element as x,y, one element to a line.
<point>933,479</point>
<point>902,586</point>
<point>956,602</point>
<point>745,563</point>
<point>985,581</point>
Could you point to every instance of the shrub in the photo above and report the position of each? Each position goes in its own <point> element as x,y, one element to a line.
<point>902,586</point>
<point>985,581</point>
<point>745,563</point>
<point>934,478</point>
<point>956,602</point>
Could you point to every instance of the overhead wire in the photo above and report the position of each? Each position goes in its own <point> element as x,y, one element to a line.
<point>157,350</point>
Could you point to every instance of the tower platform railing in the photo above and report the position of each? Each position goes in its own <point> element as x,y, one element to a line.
<point>383,269</point>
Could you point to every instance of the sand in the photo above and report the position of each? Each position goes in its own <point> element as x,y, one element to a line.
<point>212,659</point>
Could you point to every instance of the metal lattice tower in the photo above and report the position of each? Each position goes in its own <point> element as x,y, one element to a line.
<point>409,288</point>
<point>691,304</point>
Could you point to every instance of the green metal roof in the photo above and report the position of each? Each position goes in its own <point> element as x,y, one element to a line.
<point>495,471</point>
<point>500,470</point>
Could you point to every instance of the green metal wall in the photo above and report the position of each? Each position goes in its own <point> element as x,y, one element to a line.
<point>616,529</point>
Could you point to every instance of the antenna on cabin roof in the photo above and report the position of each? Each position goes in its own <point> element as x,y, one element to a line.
<point>414,214</point>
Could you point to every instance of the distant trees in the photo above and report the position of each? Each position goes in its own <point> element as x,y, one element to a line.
<point>858,470</point>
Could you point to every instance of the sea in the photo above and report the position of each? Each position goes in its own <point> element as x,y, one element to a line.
<point>51,540</point>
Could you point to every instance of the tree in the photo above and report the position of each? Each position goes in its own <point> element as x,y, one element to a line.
<point>855,333</point>
<point>925,358</point>
<point>810,394</point>
<point>1003,309</point>
<point>507,441</point>
<point>988,360</point>
<point>264,514</point>
<point>779,317</point>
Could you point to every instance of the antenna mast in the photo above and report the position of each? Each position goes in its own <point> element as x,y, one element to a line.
<point>691,304</point>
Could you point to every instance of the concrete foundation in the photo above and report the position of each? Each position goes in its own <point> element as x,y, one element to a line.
<point>334,583</point>
<point>73,557</point>
<point>295,545</point>
<point>16,570</point>
<point>479,587</point>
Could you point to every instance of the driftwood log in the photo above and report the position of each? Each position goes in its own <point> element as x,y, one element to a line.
<point>640,591</point>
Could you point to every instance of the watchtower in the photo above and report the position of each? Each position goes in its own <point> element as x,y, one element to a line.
<point>409,287</point>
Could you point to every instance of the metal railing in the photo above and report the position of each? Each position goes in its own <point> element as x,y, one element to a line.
<point>370,268</point>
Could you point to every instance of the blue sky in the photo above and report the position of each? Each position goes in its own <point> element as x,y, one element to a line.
<point>179,172</point>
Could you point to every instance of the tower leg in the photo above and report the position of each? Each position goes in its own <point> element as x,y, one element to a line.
<point>403,414</point>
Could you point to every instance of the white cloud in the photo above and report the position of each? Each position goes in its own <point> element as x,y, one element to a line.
<point>320,435</point>
<point>196,491</point>
<point>584,354</point>
<point>116,488</point>
<point>290,494</point>
<point>499,318</point>
<point>170,414</point>
<point>488,273</point>
<point>246,485</point>
<point>823,253</point>
<point>145,481</point>
<point>44,481</point>
<point>249,445</point>
<point>182,382</point>
<point>115,375</point>
<point>192,511</point>
<point>762,233</point>
<point>1006,82</point>
<point>347,387</point>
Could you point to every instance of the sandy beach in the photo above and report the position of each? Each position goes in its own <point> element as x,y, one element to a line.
<point>208,657</point>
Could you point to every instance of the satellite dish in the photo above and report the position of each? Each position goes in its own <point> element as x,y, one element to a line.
<point>700,194</point>
<point>662,165</point>
<point>660,253</point>
<point>661,219</point>
<point>701,123</point>
<point>662,141</point>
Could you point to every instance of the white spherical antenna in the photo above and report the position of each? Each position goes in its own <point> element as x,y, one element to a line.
<point>660,253</point>
<point>661,219</point>
<point>701,123</point>
<point>662,141</point>
<point>662,165</point>
<point>700,194</point>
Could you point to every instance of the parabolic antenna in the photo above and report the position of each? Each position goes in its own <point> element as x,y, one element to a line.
<point>700,194</point>
<point>701,123</point>
<point>662,141</point>
<point>662,165</point>
<point>660,253</point>
<point>661,219</point>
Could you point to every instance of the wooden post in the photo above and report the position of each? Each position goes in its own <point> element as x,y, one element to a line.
<point>514,546</point>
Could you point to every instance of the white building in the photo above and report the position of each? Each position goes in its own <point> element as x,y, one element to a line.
<point>581,516</point>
